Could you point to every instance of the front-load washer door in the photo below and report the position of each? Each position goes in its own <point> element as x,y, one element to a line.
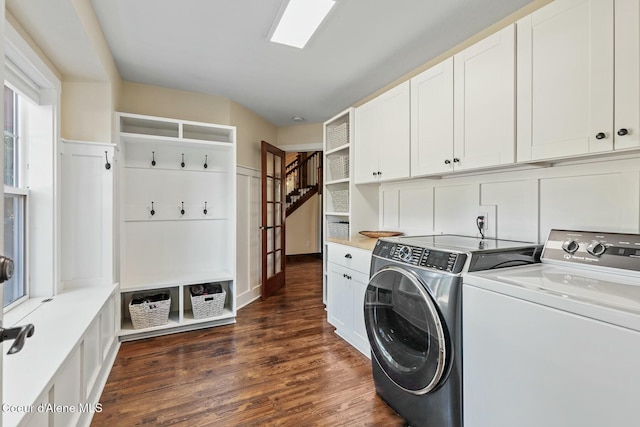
<point>406,331</point>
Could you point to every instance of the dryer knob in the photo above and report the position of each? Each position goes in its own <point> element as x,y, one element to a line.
<point>570,246</point>
<point>405,253</point>
<point>596,248</point>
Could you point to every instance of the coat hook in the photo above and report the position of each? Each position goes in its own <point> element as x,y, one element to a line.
<point>182,164</point>
<point>181,208</point>
<point>205,204</point>
<point>153,212</point>
<point>153,158</point>
<point>205,161</point>
<point>107,165</point>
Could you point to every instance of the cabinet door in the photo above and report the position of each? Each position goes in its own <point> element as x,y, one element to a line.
<point>565,79</point>
<point>627,74</point>
<point>432,120</point>
<point>382,137</point>
<point>484,133</point>
<point>87,214</point>
<point>339,298</point>
<point>365,156</point>
<point>394,133</point>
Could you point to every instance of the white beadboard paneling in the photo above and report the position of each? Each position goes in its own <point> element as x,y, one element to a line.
<point>415,215</point>
<point>605,202</point>
<point>456,209</point>
<point>248,236</point>
<point>516,205</point>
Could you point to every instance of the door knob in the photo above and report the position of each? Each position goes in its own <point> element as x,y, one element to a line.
<point>623,132</point>
<point>447,162</point>
<point>601,135</point>
<point>6,268</point>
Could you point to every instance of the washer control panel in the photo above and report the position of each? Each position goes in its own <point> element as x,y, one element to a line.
<point>450,262</point>
<point>612,250</point>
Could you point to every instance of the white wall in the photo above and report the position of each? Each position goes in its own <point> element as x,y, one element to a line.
<point>303,228</point>
<point>599,195</point>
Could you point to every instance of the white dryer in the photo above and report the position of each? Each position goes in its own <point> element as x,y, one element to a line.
<point>556,344</point>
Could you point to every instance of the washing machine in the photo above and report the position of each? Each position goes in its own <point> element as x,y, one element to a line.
<point>412,314</point>
<point>556,344</point>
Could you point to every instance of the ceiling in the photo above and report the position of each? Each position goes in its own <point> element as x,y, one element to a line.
<point>220,47</point>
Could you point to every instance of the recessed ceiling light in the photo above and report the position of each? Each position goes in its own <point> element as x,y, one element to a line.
<point>299,20</point>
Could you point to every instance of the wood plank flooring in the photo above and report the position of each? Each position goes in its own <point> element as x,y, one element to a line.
<point>281,364</point>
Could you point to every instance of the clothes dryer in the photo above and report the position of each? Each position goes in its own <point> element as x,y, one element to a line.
<point>413,319</point>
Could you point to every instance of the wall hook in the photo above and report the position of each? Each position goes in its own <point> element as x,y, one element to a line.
<point>182,164</point>
<point>205,161</point>
<point>153,212</point>
<point>153,158</point>
<point>107,165</point>
<point>205,205</point>
<point>181,208</point>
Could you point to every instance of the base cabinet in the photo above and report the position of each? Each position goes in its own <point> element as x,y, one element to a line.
<point>347,280</point>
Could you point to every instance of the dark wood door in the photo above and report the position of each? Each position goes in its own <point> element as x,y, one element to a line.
<point>273,219</point>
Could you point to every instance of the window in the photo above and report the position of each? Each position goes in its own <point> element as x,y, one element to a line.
<point>15,200</point>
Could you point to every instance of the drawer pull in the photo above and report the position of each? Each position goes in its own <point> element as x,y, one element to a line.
<point>348,256</point>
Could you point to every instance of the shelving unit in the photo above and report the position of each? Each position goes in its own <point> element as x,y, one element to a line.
<point>347,208</point>
<point>177,216</point>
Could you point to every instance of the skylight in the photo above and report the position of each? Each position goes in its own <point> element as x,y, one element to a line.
<point>300,20</point>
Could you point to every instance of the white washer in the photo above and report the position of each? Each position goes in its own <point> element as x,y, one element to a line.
<point>557,343</point>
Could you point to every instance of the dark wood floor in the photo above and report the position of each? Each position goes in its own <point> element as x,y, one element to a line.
<point>281,364</point>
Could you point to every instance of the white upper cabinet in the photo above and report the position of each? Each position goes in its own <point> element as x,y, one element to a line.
<point>484,99</point>
<point>463,109</point>
<point>578,79</point>
<point>432,120</point>
<point>627,74</point>
<point>382,137</point>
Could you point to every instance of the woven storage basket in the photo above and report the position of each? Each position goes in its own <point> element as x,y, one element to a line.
<point>149,313</point>
<point>338,229</point>
<point>339,167</point>
<point>337,136</point>
<point>340,200</point>
<point>208,305</point>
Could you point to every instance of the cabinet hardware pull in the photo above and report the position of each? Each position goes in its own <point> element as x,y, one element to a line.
<point>181,208</point>
<point>153,158</point>
<point>379,173</point>
<point>205,205</point>
<point>601,135</point>
<point>205,161</point>
<point>344,275</point>
<point>623,132</point>
<point>182,164</point>
<point>107,165</point>
<point>348,256</point>
<point>456,160</point>
<point>153,212</point>
<point>447,162</point>
<point>374,174</point>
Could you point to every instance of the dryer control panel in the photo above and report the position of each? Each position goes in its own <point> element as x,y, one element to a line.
<point>451,262</point>
<point>610,250</point>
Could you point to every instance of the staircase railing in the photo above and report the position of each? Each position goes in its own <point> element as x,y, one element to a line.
<point>304,171</point>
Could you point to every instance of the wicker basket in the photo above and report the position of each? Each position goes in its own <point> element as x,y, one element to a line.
<point>337,136</point>
<point>339,167</point>
<point>340,200</point>
<point>152,311</point>
<point>208,305</point>
<point>338,230</point>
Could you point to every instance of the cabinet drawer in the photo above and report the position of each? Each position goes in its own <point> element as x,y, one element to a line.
<point>350,257</point>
